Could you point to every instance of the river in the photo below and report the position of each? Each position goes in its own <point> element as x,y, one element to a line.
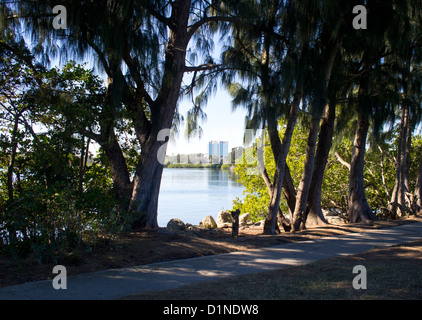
<point>192,194</point>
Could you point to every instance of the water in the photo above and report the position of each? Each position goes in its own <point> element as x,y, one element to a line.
<point>192,194</point>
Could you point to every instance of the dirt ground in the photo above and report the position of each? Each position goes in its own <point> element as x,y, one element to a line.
<point>138,248</point>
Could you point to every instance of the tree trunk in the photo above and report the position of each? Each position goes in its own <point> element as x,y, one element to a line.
<point>299,216</point>
<point>119,173</point>
<point>298,219</point>
<point>410,200</point>
<point>10,168</point>
<point>147,180</point>
<point>270,224</point>
<point>280,151</point>
<point>288,189</point>
<point>314,216</point>
<point>83,162</point>
<point>402,186</point>
<point>10,190</point>
<point>398,196</point>
<point>408,151</point>
<point>359,210</point>
<point>418,188</point>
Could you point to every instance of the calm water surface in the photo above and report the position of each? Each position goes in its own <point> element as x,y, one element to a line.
<point>192,194</point>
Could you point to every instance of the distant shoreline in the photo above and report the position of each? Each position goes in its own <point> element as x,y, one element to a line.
<point>199,166</point>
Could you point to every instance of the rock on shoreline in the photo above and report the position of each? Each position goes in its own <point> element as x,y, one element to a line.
<point>224,220</point>
<point>208,222</point>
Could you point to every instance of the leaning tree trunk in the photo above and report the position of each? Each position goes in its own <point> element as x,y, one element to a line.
<point>398,196</point>
<point>270,224</point>
<point>314,216</point>
<point>305,182</point>
<point>299,216</point>
<point>280,151</point>
<point>281,148</point>
<point>288,189</point>
<point>359,210</point>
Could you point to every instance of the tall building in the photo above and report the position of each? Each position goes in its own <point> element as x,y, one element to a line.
<point>218,150</point>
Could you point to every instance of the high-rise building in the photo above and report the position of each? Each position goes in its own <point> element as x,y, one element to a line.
<point>218,150</point>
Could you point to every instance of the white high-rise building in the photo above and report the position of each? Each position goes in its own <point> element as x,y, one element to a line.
<point>218,150</point>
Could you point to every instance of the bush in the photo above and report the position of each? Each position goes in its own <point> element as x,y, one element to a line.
<point>50,223</point>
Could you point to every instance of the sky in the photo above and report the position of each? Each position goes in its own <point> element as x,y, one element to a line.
<point>221,124</point>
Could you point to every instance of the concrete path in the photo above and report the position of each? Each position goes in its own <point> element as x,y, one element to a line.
<point>117,283</point>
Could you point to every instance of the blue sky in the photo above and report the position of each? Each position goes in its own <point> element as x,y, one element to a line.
<point>221,124</point>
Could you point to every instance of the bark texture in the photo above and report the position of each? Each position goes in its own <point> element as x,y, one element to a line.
<point>359,210</point>
<point>320,100</point>
<point>314,216</point>
<point>280,151</point>
<point>147,181</point>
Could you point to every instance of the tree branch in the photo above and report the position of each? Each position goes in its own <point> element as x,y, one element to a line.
<point>202,67</point>
<point>343,162</point>
<point>194,27</point>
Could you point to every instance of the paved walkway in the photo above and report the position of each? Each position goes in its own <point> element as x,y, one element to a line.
<point>117,283</point>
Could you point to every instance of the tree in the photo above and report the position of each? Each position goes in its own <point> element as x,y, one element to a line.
<point>409,85</point>
<point>265,50</point>
<point>329,29</point>
<point>378,93</point>
<point>362,87</point>
<point>150,40</point>
<point>318,103</point>
<point>51,195</point>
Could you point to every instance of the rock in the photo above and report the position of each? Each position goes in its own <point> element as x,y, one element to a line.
<point>333,217</point>
<point>175,225</point>
<point>224,219</point>
<point>336,220</point>
<point>244,219</point>
<point>208,222</point>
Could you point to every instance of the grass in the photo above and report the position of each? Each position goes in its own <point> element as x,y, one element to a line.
<point>392,273</point>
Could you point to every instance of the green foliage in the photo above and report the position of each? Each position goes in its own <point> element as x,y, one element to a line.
<point>379,175</point>
<point>198,166</point>
<point>257,198</point>
<point>225,166</point>
<point>57,195</point>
